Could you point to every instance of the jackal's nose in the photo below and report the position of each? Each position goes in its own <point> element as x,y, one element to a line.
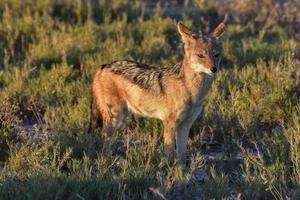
<point>214,70</point>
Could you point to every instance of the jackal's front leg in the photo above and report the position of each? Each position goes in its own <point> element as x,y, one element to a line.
<point>182,135</point>
<point>169,138</point>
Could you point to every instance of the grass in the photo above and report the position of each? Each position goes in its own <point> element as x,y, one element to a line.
<point>49,51</point>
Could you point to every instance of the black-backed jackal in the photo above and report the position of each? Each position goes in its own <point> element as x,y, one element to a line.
<point>174,95</point>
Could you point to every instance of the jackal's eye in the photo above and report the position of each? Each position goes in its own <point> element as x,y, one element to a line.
<point>200,55</point>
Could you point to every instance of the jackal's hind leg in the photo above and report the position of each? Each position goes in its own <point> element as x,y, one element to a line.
<point>114,119</point>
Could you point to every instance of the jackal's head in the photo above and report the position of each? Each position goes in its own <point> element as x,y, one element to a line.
<point>203,53</point>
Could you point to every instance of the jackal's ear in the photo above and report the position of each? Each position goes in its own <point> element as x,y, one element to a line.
<point>186,34</point>
<point>218,32</point>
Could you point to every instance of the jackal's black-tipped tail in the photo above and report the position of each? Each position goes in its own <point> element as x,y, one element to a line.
<point>95,117</point>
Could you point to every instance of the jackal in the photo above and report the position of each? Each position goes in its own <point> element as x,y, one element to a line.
<point>174,95</point>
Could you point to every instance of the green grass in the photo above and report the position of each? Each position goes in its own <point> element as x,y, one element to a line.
<point>49,51</point>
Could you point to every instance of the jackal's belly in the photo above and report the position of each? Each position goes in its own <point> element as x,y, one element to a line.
<point>152,111</point>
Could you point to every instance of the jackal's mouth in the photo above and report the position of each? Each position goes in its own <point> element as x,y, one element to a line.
<point>211,74</point>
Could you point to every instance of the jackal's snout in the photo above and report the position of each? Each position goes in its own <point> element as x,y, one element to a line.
<point>214,69</point>
<point>213,64</point>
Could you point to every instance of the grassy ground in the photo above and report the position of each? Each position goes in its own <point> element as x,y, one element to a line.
<point>245,145</point>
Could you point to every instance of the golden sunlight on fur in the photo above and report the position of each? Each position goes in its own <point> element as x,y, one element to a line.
<point>174,95</point>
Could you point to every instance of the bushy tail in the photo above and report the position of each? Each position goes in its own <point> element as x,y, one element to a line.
<point>95,117</point>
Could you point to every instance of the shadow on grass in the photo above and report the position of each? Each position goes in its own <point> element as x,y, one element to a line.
<point>71,187</point>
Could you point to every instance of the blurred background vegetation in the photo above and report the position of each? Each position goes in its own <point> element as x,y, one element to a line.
<point>49,50</point>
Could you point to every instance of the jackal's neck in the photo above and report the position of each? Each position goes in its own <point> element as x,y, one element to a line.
<point>197,83</point>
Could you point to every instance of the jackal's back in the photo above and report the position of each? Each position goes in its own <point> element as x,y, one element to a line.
<point>145,76</point>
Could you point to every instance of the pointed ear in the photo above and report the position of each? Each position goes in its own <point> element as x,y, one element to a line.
<point>218,32</point>
<point>186,34</point>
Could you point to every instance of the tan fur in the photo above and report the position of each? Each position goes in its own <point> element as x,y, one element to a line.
<point>179,104</point>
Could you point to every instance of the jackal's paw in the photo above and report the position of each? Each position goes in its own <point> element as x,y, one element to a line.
<point>170,156</point>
